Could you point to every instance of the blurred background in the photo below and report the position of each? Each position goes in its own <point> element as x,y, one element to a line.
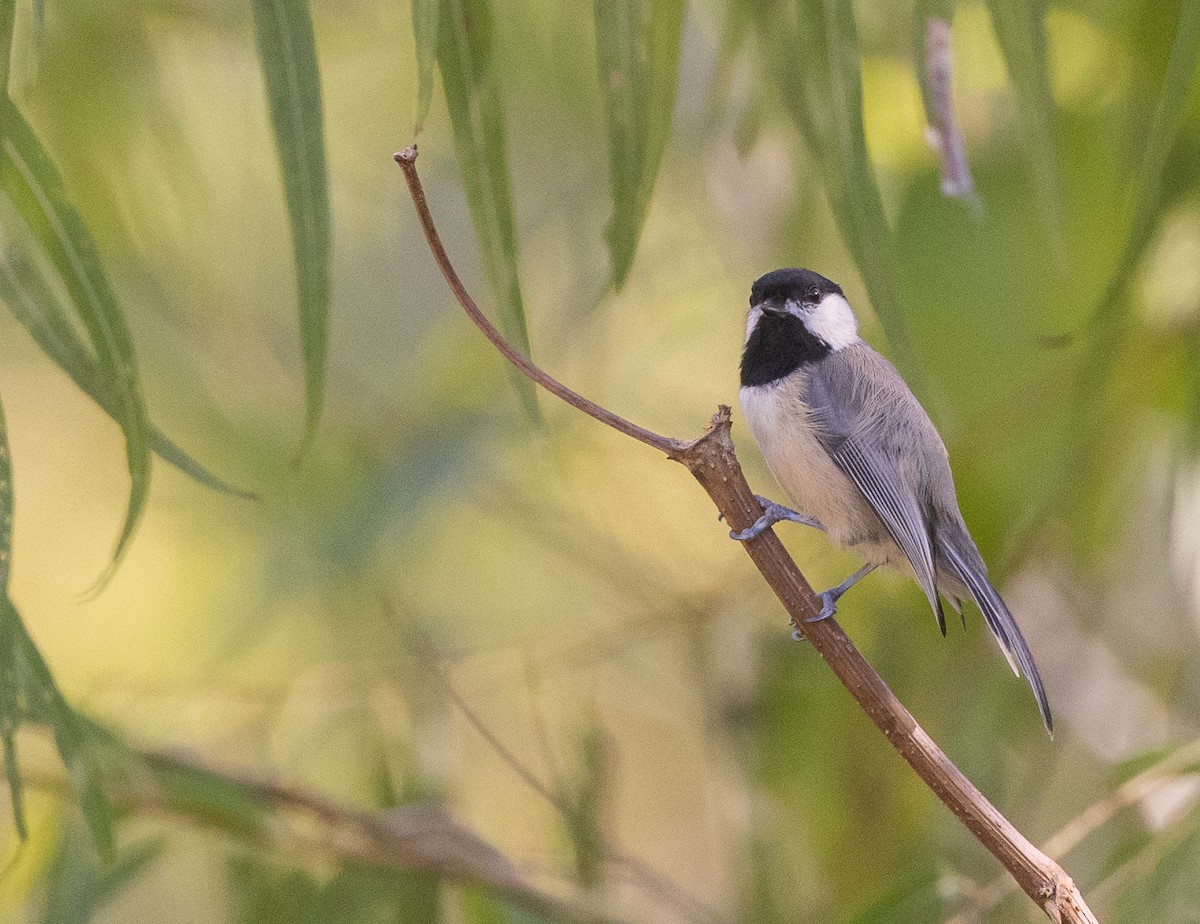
<point>448,596</point>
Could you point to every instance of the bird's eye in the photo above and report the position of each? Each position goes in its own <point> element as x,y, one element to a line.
<point>814,293</point>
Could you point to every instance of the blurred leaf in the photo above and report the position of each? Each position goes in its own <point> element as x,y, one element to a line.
<point>759,903</point>
<point>77,887</point>
<point>637,52</point>
<point>1021,32</point>
<point>77,747</point>
<point>32,183</point>
<point>481,907</point>
<point>218,801</point>
<point>265,892</point>
<point>35,305</point>
<point>915,898</point>
<point>1160,139</point>
<point>472,88</point>
<point>821,89</point>
<point>7,508</point>
<point>10,717</point>
<point>288,53</point>
<point>1164,885</point>
<point>1127,769</point>
<point>1127,849</point>
<point>586,820</point>
<point>8,10</point>
<point>425,14</point>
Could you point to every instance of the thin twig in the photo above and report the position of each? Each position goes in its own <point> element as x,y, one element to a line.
<point>407,160</point>
<point>712,461</point>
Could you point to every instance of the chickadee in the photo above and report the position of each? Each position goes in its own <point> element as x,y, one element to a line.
<point>858,455</point>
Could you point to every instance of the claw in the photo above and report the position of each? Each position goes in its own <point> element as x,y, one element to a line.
<point>829,598</point>
<point>772,514</point>
<point>829,601</point>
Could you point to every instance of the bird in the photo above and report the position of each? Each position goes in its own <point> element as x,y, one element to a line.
<point>859,457</point>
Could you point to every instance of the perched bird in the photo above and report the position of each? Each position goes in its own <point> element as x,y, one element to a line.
<point>850,444</point>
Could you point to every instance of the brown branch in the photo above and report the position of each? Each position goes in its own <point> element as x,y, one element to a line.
<point>422,836</point>
<point>712,461</point>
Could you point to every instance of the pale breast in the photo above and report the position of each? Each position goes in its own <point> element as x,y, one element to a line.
<point>781,424</point>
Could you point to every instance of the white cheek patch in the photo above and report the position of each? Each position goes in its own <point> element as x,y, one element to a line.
<point>833,321</point>
<point>752,321</point>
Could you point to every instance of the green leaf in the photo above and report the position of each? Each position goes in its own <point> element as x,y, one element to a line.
<point>77,886</point>
<point>288,53</point>
<point>8,10</point>
<point>219,802</point>
<point>1021,32</point>
<point>478,906</point>
<point>1160,139</point>
<point>822,91</point>
<point>914,898</point>
<point>10,716</point>
<point>585,823</point>
<point>637,52</point>
<point>32,300</point>
<point>32,183</point>
<point>425,15</point>
<point>28,692</point>
<point>473,96</point>
<point>76,744</point>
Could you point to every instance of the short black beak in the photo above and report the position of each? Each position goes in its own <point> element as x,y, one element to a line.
<point>769,306</point>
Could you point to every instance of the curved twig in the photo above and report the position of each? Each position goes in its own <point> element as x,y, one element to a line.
<point>711,459</point>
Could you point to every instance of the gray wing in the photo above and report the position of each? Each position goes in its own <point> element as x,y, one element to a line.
<point>876,432</point>
<point>879,435</point>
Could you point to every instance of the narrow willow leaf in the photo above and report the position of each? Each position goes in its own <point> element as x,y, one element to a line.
<point>10,716</point>
<point>7,506</point>
<point>76,745</point>
<point>425,14</point>
<point>637,52</point>
<point>1164,127</point>
<point>28,690</point>
<point>34,304</point>
<point>288,53</point>
<point>32,183</point>
<point>16,791</point>
<point>589,804</point>
<point>477,114</point>
<point>8,10</point>
<point>822,90</point>
<point>211,798</point>
<point>1021,32</point>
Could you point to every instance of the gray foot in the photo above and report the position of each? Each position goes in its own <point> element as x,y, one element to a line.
<point>772,514</point>
<point>829,598</point>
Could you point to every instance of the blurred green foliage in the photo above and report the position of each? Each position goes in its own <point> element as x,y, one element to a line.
<point>609,181</point>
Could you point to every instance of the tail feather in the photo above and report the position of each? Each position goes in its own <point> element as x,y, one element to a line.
<point>1002,624</point>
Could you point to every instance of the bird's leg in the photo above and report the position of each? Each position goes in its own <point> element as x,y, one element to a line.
<point>772,514</point>
<point>829,598</point>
